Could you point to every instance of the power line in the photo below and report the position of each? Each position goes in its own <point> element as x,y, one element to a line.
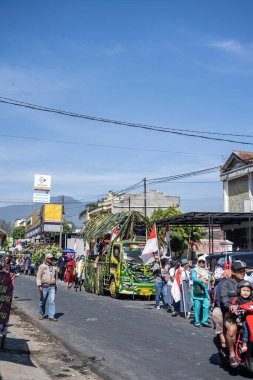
<point>122,123</point>
<point>41,139</point>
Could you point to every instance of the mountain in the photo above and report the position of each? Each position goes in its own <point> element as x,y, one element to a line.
<point>72,209</point>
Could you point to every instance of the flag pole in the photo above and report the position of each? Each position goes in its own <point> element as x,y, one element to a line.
<point>183,296</point>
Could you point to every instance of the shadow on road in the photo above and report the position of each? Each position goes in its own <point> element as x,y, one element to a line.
<point>214,359</point>
<point>16,351</point>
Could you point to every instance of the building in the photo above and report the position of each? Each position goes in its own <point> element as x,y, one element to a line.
<point>44,221</point>
<point>237,177</point>
<point>117,203</point>
<point>20,223</point>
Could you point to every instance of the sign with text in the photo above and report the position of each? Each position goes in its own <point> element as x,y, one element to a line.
<point>6,293</point>
<point>42,182</point>
<point>41,197</point>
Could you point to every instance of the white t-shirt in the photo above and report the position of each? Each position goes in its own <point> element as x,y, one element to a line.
<point>172,274</point>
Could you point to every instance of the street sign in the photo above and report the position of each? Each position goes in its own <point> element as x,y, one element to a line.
<point>42,182</point>
<point>41,197</point>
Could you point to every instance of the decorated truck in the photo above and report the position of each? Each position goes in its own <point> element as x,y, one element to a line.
<point>115,267</point>
<point>120,272</point>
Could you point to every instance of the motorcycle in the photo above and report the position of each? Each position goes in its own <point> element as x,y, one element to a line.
<point>245,359</point>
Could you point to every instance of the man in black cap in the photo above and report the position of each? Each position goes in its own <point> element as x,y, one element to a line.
<point>230,285</point>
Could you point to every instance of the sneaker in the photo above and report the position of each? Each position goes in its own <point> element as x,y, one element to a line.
<point>53,319</point>
<point>188,315</point>
<point>174,314</point>
<point>157,307</point>
<point>197,324</point>
<point>41,317</point>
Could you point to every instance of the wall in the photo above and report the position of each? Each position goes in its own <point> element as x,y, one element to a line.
<point>238,192</point>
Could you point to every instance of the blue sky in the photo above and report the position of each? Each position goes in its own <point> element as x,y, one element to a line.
<point>179,64</point>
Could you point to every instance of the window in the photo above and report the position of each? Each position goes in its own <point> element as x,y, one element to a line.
<point>116,252</point>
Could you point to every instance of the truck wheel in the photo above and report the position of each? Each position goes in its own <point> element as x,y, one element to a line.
<point>112,289</point>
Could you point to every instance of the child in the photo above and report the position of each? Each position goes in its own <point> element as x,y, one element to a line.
<point>245,296</point>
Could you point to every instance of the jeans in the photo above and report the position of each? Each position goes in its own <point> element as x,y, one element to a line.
<point>245,336</point>
<point>158,287</point>
<point>50,294</point>
<point>165,294</point>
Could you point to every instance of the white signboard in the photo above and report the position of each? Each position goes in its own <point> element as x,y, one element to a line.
<point>42,182</point>
<point>42,197</point>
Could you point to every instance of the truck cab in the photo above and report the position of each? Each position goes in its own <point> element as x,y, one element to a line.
<point>126,273</point>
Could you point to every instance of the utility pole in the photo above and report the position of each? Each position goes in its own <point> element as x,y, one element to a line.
<point>145,196</point>
<point>61,226</point>
<point>129,203</point>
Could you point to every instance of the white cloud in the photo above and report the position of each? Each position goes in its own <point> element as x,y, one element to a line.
<point>233,47</point>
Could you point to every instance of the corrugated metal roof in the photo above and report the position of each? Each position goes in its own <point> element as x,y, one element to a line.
<point>245,156</point>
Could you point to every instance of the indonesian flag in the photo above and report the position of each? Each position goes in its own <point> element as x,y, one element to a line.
<point>19,245</point>
<point>150,248</point>
<point>167,234</point>
<point>175,289</point>
<point>114,233</point>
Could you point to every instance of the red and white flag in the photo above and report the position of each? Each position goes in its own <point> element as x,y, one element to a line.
<point>150,248</point>
<point>114,233</point>
<point>167,234</point>
<point>175,289</point>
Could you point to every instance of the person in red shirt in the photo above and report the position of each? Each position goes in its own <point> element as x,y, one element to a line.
<point>70,271</point>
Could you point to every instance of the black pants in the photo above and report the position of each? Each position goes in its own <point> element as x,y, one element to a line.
<point>61,273</point>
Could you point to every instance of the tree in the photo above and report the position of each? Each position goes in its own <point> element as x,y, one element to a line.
<point>182,238</point>
<point>18,233</point>
<point>66,227</point>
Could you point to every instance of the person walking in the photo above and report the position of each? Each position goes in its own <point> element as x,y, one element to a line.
<point>158,282</point>
<point>61,267</point>
<point>46,282</point>
<point>70,271</point>
<point>185,300</point>
<point>201,292</point>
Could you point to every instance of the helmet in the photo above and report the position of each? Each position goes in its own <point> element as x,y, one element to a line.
<point>245,284</point>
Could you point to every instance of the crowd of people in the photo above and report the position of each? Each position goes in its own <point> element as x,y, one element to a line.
<point>221,291</point>
<point>181,287</point>
<point>194,284</point>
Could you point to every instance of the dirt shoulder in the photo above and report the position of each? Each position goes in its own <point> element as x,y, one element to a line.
<point>31,353</point>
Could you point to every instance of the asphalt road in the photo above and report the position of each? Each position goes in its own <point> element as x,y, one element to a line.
<point>125,339</point>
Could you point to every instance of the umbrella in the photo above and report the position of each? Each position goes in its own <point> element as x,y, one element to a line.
<point>68,250</point>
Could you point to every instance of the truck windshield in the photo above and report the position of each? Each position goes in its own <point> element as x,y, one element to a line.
<point>133,251</point>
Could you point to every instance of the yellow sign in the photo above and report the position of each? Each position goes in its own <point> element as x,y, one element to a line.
<point>52,213</point>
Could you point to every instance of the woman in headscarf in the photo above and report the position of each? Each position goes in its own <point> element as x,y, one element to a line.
<point>70,271</point>
<point>201,292</point>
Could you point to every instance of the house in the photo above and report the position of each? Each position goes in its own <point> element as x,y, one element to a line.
<point>118,203</point>
<point>237,177</point>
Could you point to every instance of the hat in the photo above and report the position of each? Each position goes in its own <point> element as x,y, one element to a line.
<point>184,261</point>
<point>49,256</point>
<point>201,258</point>
<point>238,265</point>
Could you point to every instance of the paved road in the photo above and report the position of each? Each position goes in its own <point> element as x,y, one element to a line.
<point>127,339</point>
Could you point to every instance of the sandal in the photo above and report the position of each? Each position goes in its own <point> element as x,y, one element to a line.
<point>233,362</point>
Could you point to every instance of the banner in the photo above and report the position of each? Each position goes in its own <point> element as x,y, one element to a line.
<point>6,293</point>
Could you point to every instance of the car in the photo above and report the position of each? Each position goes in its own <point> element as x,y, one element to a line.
<point>246,256</point>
